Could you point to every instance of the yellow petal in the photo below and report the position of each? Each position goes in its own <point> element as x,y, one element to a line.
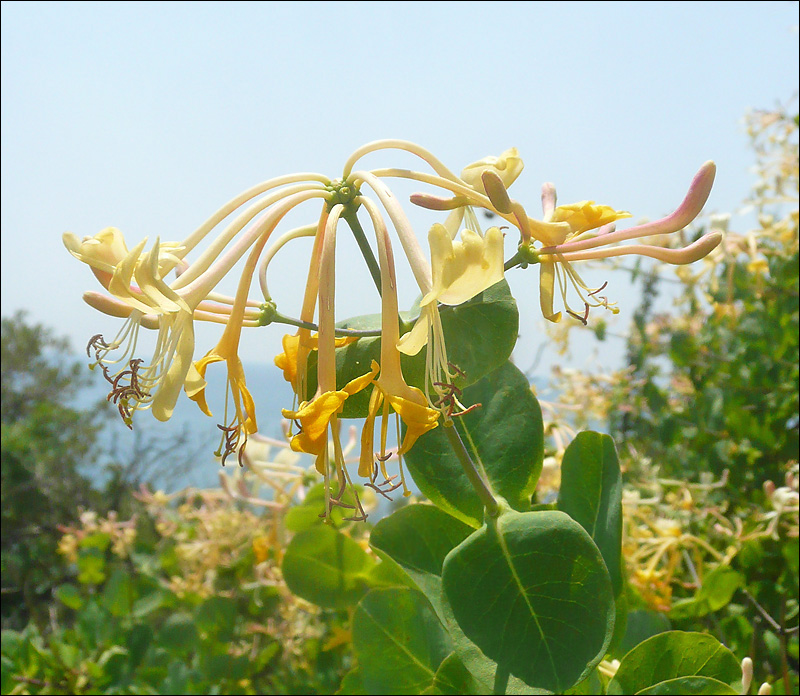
<point>171,383</point>
<point>476,265</point>
<point>356,385</point>
<point>508,167</point>
<point>419,419</point>
<point>315,415</point>
<point>587,215</point>
<point>412,342</point>
<point>547,277</point>
<point>199,395</point>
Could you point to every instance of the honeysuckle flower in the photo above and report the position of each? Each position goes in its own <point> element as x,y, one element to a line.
<point>507,166</point>
<point>461,270</point>
<point>391,390</point>
<point>317,418</point>
<point>135,281</point>
<point>591,236</point>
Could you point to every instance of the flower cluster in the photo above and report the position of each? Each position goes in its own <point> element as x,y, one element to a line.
<point>464,261</point>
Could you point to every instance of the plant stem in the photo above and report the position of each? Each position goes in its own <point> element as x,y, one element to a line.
<point>366,251</point>
<point>291,321</point>
<point>478,483</point>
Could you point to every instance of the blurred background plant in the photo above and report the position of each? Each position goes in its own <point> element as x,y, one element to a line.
<point>705,415</point>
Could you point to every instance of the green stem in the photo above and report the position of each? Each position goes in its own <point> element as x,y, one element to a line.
<point>515,260</point>
<point>366,250</point>
<point>501,676</point>
<point>279,318</point>
<point>478,483</point>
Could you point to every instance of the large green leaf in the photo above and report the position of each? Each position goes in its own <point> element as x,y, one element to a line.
<point>326,568</point>
<point>453,677</point>
<point>689,686</point>
<point>717,590</point>
<point>504,437</point>
<point>399,641</point>
<point>479,334</point>
<point>673,655</point>
<point>418,538</point>
<point>591,494</point>
<point>531,590</point>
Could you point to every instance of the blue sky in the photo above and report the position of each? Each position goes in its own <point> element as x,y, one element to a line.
<point>149,116</point>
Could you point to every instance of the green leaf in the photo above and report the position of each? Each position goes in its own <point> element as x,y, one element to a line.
<point>326,568</point>
<point>453,677</point>
<point>118,595</point>
<point>352,684</point>
<point>69,595</point>
<point>504,437</point>
<point>480,335</point>
<point>672,655</point>
<point>690,686</point>
<point>532,592</point>
<point>215,618</point>
<point>398,640</point>
<point>418,538</point>
<point>717,590</point>
<point>179,634</point>
<point>641,625</point>
<point>591,494</point>
<point>138,641</point>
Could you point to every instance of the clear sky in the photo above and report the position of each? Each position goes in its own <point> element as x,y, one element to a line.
<point>148,116</point>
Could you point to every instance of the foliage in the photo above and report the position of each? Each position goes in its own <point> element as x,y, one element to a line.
<point>46,446</point>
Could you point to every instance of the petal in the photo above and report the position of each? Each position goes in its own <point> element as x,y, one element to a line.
<point>508,166</point>
<point>199,395</point>
<point>171,383</point>
<point>366,459</point>
<point>419,419</point>
<point>547,278</point>
<point>412,342</point>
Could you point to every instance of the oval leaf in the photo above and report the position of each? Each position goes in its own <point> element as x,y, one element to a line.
<point>671,655</point>
<point>326,568</point>
<point>398,640</point>
<point>504,437</point>
<point>418,538</point>
<point>591,494</point>
<point>532,592</point>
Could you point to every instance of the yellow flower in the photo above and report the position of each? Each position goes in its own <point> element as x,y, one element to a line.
<point>314,417</point>
<point>591,227</point>
<point>460,270</point>
<point>507,166</point>
<point>586,215</point>
<point>391,389</point>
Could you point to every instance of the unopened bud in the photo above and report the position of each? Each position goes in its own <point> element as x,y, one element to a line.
<point>431,202</point>
<point>496,190</point>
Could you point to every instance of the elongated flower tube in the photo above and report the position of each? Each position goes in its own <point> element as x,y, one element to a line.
<point>317,418</point>
<point>135,280</point>
<point>391,390</point>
